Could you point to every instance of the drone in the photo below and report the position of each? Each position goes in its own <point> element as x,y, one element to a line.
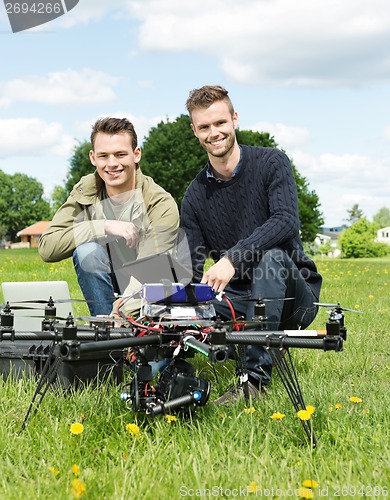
<point>176,323</point>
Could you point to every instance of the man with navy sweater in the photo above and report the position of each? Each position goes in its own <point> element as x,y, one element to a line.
<point>242,210</point>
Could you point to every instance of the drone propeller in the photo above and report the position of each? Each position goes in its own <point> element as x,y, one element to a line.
<point>337,307</point>
<point>90,319</point>
<point>260,299</point>
<point>51,300</point>
<point>12,306</point>
<point>324,304</point>
<point>101,319</point>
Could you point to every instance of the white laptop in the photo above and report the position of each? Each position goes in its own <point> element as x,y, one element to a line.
<point>24,319</point>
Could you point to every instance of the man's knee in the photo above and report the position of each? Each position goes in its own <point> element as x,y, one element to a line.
<point>274,255</point>
<point>271,266</point>
<point>92,257</point>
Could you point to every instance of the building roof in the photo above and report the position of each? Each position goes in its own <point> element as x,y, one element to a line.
<point>35,229</point>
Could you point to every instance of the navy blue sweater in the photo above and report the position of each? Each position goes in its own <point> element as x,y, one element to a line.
<point>255,210</point>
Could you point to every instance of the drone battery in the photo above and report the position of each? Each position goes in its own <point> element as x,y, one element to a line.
<point>176,293</point>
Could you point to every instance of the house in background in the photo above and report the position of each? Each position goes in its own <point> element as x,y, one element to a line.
<point>30,235</point>
<point>330,235</point>
<point>383,235</point>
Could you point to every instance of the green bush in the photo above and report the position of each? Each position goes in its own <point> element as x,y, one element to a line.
<point>358,241</point>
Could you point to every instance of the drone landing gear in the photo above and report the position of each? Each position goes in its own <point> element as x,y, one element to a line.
<point>284,365</point>
<point>48,375</point>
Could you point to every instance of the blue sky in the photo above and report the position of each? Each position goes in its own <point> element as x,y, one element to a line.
<point>314,74</point>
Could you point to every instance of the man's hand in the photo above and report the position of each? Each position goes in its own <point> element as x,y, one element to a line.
<point>219,275</point>
<point>126,230</point>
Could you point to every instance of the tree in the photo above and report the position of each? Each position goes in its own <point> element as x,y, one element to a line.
<point>382,217</point>
<point>358,241</point>
<point>354,213</point>
<point>80,165</point>
<point>3,232</point>
<point>21,202</point>
<point>58,197</point>
<point>173,157</point>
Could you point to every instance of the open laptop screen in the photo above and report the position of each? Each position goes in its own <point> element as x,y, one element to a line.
<point>25,319</point>
<point>157,268</point>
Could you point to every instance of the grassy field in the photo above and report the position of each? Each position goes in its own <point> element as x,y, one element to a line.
<point>236,451</point>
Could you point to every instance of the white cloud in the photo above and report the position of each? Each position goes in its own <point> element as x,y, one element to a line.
<point>68,87</point>
<point>141,124</point>
<point>305,42</point>
<point>286,136</point>
<point>87,11</point>
<point>386,133</point>
<point>347,169</point>
<point>340,181</point>
<point>33,137</point>
<point>146,84</point>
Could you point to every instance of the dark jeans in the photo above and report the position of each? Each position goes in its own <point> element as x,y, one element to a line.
<point>95,276</point>
<point>275,276</point>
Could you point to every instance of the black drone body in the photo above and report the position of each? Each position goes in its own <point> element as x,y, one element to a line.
<point>176,323</point>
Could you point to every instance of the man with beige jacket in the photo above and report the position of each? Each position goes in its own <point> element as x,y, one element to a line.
<point>112,217</point>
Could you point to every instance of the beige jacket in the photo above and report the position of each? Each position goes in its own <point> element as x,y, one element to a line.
<point>81,219</point>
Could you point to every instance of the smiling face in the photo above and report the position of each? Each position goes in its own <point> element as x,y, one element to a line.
<point>115,161</point>
<point>215,128</point>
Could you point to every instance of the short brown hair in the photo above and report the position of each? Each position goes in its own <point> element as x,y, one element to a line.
<point>113,126</point>
<point>206,96</point>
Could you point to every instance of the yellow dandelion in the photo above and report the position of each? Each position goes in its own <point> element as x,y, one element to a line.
<point>338,406</point>
<point>355,399</point>
<point>331,408</point>
<point>366,411</point>
<point>249,410</point>
<point>310,409</point>
<point>54,470</point>
<point>278,416</point>
<point>305,493</point>
<point>78,488</point>
<point>170,418</point>
<point>252,488</point>
<point>370,296</point>
<point>75,469</point>
<point>223,415</point>
<point>133,430</point>
<point>304,414</point>
<point>77,428</point>
<point>310,483</point>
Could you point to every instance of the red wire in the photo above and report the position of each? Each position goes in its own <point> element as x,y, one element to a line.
<point>236,327</point>
<point>133,322</point>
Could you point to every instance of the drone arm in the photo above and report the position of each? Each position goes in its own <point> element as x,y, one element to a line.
<point>196,345</point>
<point>277,340</point>
<point>75,349</point>
<point>215,352</point>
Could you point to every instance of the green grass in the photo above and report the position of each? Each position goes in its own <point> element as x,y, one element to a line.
<point>218,451</point>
